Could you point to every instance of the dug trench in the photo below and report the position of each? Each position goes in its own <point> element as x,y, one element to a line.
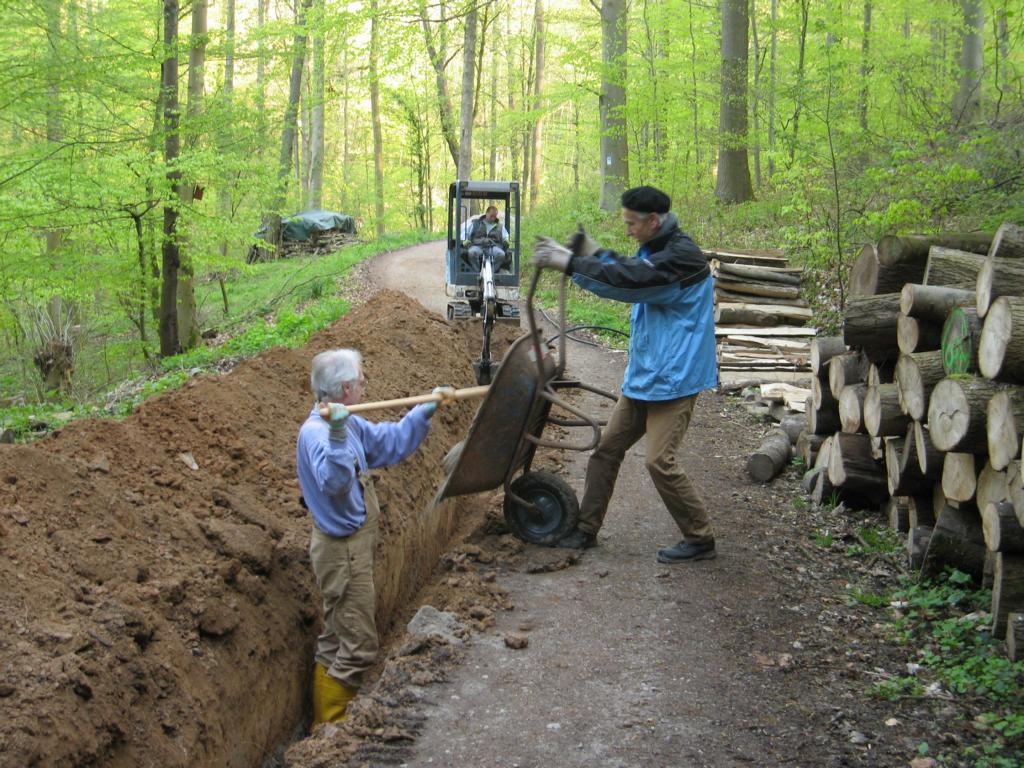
<point>158,604</point>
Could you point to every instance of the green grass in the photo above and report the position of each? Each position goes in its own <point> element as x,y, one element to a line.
<point>273,304</point>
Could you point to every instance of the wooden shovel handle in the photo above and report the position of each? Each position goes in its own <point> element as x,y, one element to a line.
<point>405,402</point>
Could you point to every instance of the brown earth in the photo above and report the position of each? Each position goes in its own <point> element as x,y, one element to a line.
<point>157,603</point>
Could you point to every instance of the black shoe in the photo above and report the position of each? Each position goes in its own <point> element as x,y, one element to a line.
<point>684,552</point>
<point>577,539</point>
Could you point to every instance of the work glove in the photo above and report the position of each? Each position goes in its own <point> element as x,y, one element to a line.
<point>581,244</point>
<point>447,396</point>
<point>465,243</point>
<point>550,254</point>
<point>338,421</point>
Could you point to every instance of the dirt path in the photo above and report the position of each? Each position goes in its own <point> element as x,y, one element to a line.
<point>750,659</point>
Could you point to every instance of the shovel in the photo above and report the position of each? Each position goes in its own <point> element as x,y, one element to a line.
<point>406,402</point>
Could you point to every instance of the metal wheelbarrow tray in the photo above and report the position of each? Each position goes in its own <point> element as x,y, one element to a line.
<point>539,507</point>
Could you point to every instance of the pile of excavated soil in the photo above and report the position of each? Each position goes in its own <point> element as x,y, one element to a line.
<point>158,606</point>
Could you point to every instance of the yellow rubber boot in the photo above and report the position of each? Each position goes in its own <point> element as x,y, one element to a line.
<point>330,697</point>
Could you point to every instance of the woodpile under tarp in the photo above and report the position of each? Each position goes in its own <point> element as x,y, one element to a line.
<point>919,405</point>
<point>760,314</point>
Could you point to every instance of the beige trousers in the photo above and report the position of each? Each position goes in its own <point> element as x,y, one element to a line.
<point>343,567</point>
<point>665,424</point>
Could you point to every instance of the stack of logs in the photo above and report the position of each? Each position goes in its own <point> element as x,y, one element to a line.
<point>919,407</point>
<point>759,312</point>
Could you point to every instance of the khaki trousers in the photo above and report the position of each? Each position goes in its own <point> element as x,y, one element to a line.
<point>343,567</point>
<point>665,424</point>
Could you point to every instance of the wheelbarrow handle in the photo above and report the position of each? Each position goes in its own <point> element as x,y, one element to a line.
<point>405,402</point>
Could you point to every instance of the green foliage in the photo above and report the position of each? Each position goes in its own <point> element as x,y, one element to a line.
<point>823,539</point>
<point>882,540</point>
<point>896,688</point>
<point>944,621</point>
<point>281,303</point>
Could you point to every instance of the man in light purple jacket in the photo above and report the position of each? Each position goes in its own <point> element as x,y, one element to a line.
<point>334,456</point>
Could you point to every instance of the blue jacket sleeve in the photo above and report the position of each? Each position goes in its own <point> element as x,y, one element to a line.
<point>656,275</point>
<point>390,442</point>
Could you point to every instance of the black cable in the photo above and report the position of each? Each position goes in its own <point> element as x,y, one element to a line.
<point>569,331</point>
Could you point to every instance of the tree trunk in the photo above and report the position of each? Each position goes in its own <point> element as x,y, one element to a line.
<point>1001,350</point>
<point>956,414</point>
<point>1007,590</point>
<point>967,104</point>
<point>224,193</point>
<point>807,446</point>
<point>961,338</point>
<point>761,314</point>
<point>852,466</point>
<point>538,92</point>
<point>870,322</point>
<point>851,408</point>
<point>869,276</point>
<point>823,349</point>
<point>467,110</point>
<point>916,376</point>
<point>55,357</point>
<point>1003,532</point>
<point>1004,425</point>
<point>316,128</point>
<point>933,302</point>
<point>773,52</point>
<point>1015,488</point>
<point>950,267</point>
<point>865,66</point>
<point>1008,242</point>
<point>169,343</point>
<point>880,373</point>
<point>438,55</point>
<point>793,424</point>
<point>992,487</point>
<point>755,111</point>
<point>913,335</point>
<point>956,541</point>
<point>733,185</point>
<point>261,75</point>
<point>1015,635</point>
<point>903,470</point>
<point>902,249</point>
<point>801,59</point>
<point>378,141</point>
<point>930,460</point>
<point>188,314</point>
<point>896,512</point>
<point>998,277</point>
<point>771,457</point>
<point>845,370</point>
<point>823,417</point>
<point>612,104</point>
<point>288,128</point>
<point>882,413</point>
<point>959,476</point>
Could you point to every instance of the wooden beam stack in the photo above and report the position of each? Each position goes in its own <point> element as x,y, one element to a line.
<point>759,313</point>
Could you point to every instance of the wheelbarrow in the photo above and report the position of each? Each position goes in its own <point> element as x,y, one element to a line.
<point>539,507</point>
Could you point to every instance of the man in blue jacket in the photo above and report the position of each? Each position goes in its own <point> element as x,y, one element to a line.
<point>671,360</point>
<point>334,455</point>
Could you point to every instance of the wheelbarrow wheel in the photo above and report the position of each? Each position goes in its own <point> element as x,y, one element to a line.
<point>554,512</point>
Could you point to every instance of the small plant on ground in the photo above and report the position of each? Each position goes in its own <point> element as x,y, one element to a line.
<point>944,622</point>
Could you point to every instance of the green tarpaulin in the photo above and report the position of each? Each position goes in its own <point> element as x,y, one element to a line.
<point>300,226</point>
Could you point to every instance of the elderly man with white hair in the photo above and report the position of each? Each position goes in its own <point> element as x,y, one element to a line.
<point>334,456</point>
